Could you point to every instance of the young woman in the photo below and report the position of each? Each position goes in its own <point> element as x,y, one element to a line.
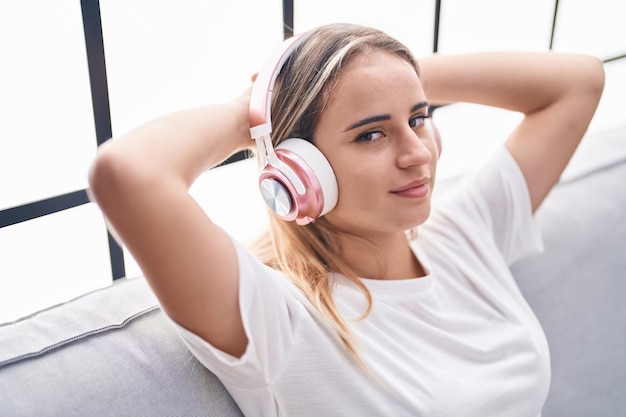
<point>349,314</point>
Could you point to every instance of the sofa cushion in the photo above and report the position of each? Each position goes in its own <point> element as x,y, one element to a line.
<point>112,352</point>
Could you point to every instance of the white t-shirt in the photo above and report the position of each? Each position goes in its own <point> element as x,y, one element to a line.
<point>461,341</point>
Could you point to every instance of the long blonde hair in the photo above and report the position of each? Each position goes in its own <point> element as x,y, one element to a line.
<point>306,254</point>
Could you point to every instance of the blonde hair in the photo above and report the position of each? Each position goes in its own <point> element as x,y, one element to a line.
<point>306,254</point>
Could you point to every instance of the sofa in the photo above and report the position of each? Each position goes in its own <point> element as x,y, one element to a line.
<point>113,352</point>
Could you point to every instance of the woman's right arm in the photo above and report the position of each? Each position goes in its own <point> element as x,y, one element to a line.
<point>141,182</point>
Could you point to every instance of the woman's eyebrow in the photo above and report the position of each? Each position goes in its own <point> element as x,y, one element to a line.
<point>368,120</point>
<point>419,106</point>
<point>382,117</point>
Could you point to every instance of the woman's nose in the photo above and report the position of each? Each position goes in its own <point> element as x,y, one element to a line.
<point>413,148</point>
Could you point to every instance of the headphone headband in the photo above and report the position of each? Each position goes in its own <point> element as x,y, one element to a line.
<point>261,96</point>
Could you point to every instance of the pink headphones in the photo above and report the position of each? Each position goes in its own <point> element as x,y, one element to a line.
<point>296,181</point>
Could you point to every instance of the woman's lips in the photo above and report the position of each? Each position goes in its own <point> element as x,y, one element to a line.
<point>415,189</point>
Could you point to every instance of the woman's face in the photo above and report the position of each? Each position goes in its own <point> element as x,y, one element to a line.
<point>375,136</point>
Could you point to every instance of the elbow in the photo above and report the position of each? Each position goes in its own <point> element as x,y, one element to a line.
<point>108,175</point>
<point>585,85</point>
<point>121,177</point>
<point>594,77</point>
<point>100,173</point>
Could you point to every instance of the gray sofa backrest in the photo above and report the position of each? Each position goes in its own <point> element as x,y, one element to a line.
<point>577,289</point>
<point>112,352</point>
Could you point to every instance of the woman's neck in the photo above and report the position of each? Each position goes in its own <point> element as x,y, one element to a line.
<point>387,257</point>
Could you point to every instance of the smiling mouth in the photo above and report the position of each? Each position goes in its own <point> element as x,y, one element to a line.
<point>416,189</point>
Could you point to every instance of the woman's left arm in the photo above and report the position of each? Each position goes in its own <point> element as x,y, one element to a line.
<point>557,93</point>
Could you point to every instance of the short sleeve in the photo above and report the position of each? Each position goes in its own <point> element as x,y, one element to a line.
<point>495,200</point>
<point>270,310</point>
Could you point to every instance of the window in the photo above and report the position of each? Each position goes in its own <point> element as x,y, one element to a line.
<point>75,73</point>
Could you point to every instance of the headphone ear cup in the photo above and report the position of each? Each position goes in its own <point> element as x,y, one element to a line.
<point>304,187</point>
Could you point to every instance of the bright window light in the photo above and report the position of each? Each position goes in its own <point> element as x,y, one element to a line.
<point>165,55</point>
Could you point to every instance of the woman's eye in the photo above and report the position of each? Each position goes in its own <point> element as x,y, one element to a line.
<point>370,136</point>
<point>418,121</point>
